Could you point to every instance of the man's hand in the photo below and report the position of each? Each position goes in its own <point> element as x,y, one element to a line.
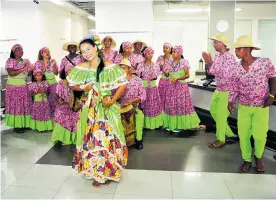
<point>207,58</point>
<point>269,101</point>
<point>231,107</point>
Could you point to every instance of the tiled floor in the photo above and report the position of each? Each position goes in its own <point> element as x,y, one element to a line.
<point>21,178</point>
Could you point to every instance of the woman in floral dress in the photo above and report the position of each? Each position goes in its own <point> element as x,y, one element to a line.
<point>65,119</point>
<point>101,152</point>
<point>152,108</point>
<point>165,63</point>
<point>41,113</point>
<point>18,99</point>
<point>179,110</point>
<point>50,69</point>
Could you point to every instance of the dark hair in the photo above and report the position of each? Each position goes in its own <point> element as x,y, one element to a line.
<point>101,64</point>
<point>121,50</point>
<point>62,74</point>
<point>43,77</point>
<point>12,55</point>
<point>143,51</point>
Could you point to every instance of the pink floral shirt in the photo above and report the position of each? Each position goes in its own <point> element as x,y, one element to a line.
<point>222,66</point>
<point>182,64</point>
<point>135,60</point>
<point>65,62</point>
<point>252,88</point>
<point>111,56</point>
<point>167,63</point>
<point>14,64</point>
<point>40,65</point>
<point>148,72</point>
<point>134,89</point>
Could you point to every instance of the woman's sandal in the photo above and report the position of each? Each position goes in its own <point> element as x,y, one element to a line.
<point>200,128</point>
<point>96,184</point>
<point>245,166</point>
<point>216,144</point>
<point>260,168</point>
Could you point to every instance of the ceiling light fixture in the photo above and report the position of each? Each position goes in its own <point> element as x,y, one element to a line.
<point>58,2</point>
<point>193,10</point>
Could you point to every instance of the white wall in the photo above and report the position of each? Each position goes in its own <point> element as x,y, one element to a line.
<point>267,39</point>
<point>35,26</point>
<point>192,35</point>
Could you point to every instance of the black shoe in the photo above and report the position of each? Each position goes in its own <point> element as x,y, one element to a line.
<point>139,144</point>
<point>18,130</point>
<point>274,157</point>
<point>58,144</point>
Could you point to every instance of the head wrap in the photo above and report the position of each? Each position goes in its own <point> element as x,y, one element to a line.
<point>15,47</point>
<point>37,70</point>
<point>178,49</point>
<point>168,45</point>
<point>148,49</point>
<point>126,44</point>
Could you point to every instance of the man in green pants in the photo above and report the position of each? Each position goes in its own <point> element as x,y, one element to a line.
<point>134,94</point>
<point>254,86</point>
<point>221,67</point>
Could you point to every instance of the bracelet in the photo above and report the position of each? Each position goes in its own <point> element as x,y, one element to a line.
<point>271,96</point>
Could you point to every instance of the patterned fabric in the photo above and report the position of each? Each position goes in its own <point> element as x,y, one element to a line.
<point>135,60</point>
<point>167,63</point>
<point>182,64</point>
<point>222,66</point>
<point>18,98</point>
<point>152,105</point>
<point>251,87</point>
<point>65,63</point>
<point>103,153</point>
<point>14,64</point>
<point>64,115</point>
<point>40,109</point>
<point>178,100</point>
<point>164,82</point>
<point>16,46</point>
<point>178,49</point>
<point>148,49</point>
<point>134,90</point>
<point>51,79</point>
<point>148,72</point>
<point>40,64</point>
<point>111,55</point>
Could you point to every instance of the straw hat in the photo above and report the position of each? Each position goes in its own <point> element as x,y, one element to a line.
<point>221,38</point>
<point>65,46</point>
<point>245,41</point>
<point>126,62</point>
<point>139,41</point>
<point>113,43</point>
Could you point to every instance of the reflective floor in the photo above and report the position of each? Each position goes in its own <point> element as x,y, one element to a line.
<point>169,167</point>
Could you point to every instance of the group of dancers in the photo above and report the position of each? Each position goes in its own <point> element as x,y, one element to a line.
<point>105,98</point>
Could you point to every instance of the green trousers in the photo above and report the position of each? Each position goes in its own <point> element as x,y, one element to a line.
<point>139,124</point>
<point>220,113</point>
<point>252,121</point>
